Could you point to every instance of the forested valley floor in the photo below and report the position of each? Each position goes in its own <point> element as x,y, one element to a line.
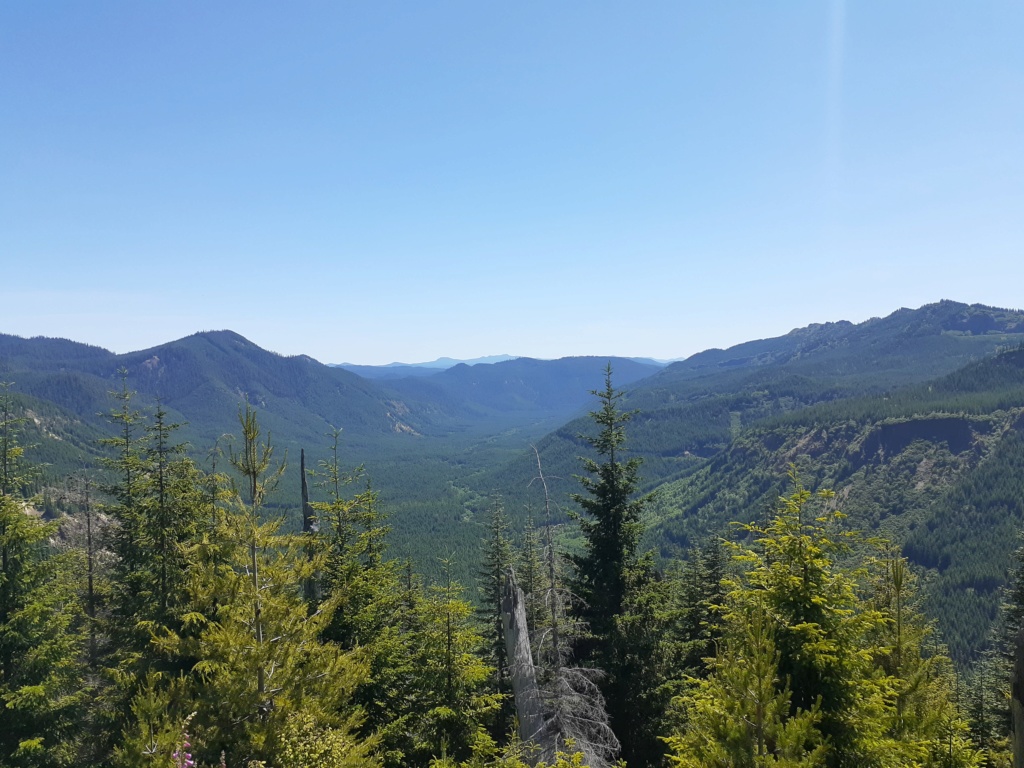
<point>169,621</point>
<point>811,565</point>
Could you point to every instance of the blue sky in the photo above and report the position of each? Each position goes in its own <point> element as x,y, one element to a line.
<point>370,182</point>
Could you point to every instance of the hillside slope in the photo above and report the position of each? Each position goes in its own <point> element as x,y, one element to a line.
<point>691,410</point>
<point>936,468</point>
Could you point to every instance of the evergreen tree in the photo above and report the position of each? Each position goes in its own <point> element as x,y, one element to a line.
<point>986,708</point>
<point>42,695</point>
<point>572,700</point>
<point>131,593</point>
<point>455,702</point>
<point>651,658</point>
<point>741,716</point>
<point>623,602</point>
<point>610,520</point>
<point>530,569</point>
<point>14,476</point>
<point>157,510</point>
<point>350,537</point>
<point>852,675</point>
<point>701,595</point>
<point>268,687</point>
<point>923,721</point>
<point>497,558</point>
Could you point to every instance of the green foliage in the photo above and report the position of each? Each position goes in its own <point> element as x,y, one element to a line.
<point>627,606</point>
<point>811,672</point>
<point>932,467</point>
<point>42,695</point>
<point>262,663</point>
<point>497,559</point>
<point>209,610</point>
<point>699,583</point>
<point>610,521</point>
<point>742,715</point>
<point>531,572</point>
<point>456,701</point>
<point>307,743</point>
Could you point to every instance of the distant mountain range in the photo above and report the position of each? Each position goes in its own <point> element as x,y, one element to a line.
<point>406,370</point>
<point>916,419</point>
<point>401,370</point>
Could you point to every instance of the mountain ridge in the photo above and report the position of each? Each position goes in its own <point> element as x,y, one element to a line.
<point>440,446</point>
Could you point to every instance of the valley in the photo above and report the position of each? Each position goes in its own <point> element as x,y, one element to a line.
<point>907,417</point>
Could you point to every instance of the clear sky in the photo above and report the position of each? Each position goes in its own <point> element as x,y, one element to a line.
<point>379,181</point>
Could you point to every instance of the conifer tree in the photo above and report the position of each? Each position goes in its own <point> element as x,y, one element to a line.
<point>454,701</point>
<point>573,702</point>
<point>632,626</point>
<point>741,716</point>
<point>349,536</point>
<point>497,558</point>
<point>132,599</point>
<point>923,720</point>
<point>13,475</point>
<point>268,684</point>
<point>42,695</point>
<point>701,594</point>
<point>157,512</point>
<point>610,520</point>
<point>850,674</point>
<point>530,569</point>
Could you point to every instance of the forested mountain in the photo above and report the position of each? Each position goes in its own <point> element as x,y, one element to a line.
<point>203,378</point>
<point>440,447</point>
<point>416,438</point>
<point>936,467</point>
<point>691,410</point>
<point>865,478</point>
<point>524,389</point>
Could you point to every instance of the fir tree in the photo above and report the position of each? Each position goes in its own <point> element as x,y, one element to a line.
<point>627,611</point>
<point>350,538</point>
<point>701,595</point>
<point>741,716</point>
<point>610,520</point>
<point>853,676</point>
<point>131,595</point>
<point>497,558</point>
<point>573,702</point>
<point>42,696</point>
<point>455,702</point>
<point>530,569</point>
<point>269,687</point>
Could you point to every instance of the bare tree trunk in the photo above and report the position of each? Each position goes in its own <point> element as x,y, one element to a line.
<point>310,585</point>
<point>307,511</point>
<point>529,705</point>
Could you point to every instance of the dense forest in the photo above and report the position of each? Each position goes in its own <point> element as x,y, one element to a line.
<point>795,552</point>
<point>203,634</point>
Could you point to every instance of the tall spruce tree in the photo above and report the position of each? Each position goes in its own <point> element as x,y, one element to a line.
<point>130,484</point>
<point>610,520</point>
<point>573,703</point>
<point>699,582</point>
<point>621,600</point>
<point>497,558</point>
